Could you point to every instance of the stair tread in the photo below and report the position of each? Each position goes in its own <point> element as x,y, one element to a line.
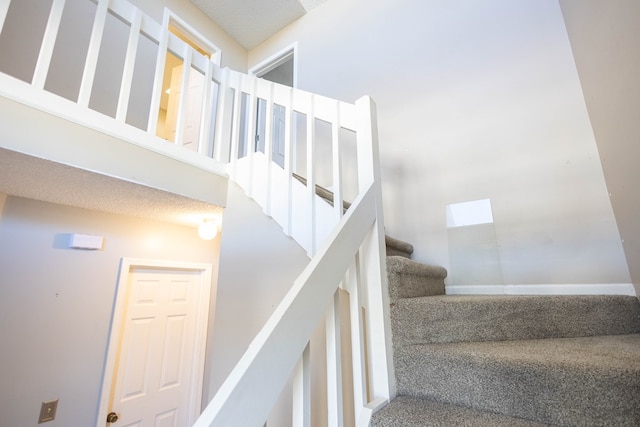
<point>567,381</point>
<point>407,411</point>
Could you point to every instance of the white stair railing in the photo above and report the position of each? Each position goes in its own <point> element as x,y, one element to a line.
<point>347,249</point>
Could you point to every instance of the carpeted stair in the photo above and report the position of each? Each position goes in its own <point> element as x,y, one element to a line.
<point>506,361</point>
<point>492,361</point>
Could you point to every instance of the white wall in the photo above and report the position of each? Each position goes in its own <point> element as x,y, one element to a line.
<point>258,265</point>
<point>475,100</point>
<point>56,303</point>
<point>604,37</point>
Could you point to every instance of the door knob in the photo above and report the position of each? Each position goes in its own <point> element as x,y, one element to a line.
<point>112,417</point>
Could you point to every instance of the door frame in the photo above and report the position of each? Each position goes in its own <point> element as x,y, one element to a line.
<point>170,17</point>
<point>277,59</point>
<point>117,318</point>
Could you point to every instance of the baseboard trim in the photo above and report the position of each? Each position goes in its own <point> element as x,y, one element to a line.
<point>557,289</point>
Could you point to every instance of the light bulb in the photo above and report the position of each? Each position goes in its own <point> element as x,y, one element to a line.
<point>208,229</point>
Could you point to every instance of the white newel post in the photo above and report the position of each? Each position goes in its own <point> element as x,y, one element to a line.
<point>373,253</point>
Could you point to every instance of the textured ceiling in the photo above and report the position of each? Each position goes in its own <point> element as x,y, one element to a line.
<point>35,178</point>
<point>250,22</point>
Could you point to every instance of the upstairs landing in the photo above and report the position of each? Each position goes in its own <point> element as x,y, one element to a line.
<point>49,158</point>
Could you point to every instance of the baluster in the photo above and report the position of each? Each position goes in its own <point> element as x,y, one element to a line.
<point>337,164</point>
<point>204,139</point>
<point>48,43</point>
<point>129,64</point>
<point>4,9</point>
<point>184,94</point>
<point>251,132</point>
<point>268,150</point>
<point>235,130</point>
<point>223,143</point>
<point>154,108</point>
<point>288,158</point>
<point>311,179</point>
<point>302,391</point>
<point>334,363</point>
<point>360,395</point>
<point>92,54</point>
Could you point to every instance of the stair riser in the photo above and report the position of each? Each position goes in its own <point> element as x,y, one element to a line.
<point>460,319</point>
<point>409,279</point>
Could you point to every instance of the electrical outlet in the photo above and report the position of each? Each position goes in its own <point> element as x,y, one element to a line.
<point>48,411</point>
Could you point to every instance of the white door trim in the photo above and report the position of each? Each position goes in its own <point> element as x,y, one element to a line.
<point>276,60</point>
<point>197,374</point>
<point>194,35</point>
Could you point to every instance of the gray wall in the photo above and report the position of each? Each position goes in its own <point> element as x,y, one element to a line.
<point>475,100</point>
<point>56,303</point>
<point>605,37</point>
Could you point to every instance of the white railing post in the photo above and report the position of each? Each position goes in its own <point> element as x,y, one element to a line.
<point>48,43</point>
<point>311,177</point>
<point>334,363</point>
<point>156,95</point>
<point>268,150</point>
<point>129,64</point>
<point>208,98</point>
<point>92,53</point>
<point>224,115</point>
<point>4,9</point>
<point>372,258</point>
<point>181,118</point>
<point>288,159</point>
<point>337,164</point>
<point>301,410</point>
<point>358,352</point>
<point>235,142</point>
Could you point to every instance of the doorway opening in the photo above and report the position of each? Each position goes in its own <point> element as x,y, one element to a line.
<point>279,68</point>
<point>192,102</point>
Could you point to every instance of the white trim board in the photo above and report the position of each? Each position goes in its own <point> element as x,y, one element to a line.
<point>555,289</point>
<point>277,59</point>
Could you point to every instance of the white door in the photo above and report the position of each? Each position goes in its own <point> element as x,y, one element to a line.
<point>192,108</point>
<point>156,352</point>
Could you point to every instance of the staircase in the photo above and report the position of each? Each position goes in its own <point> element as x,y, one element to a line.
<point>508,360</point>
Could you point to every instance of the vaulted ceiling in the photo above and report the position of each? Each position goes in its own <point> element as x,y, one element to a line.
<point>251,22</point>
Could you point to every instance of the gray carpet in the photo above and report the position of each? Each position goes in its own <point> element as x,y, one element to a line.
<point>496,361</point>
<point>408,278</point>
<point>407,411</point>
<point>457,318</point>
<point>563,381</point>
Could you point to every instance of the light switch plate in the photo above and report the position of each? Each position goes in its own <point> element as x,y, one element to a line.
<point>48,411</point>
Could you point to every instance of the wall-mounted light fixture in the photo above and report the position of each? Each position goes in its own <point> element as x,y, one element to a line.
<point>208,229</point>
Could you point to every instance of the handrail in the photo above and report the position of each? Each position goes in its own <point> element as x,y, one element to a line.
<point>258,377</point>
<point>346,248</point>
